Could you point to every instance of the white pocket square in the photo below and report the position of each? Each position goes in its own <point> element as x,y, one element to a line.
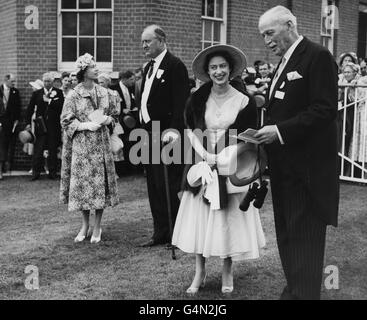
<point>294,75</point>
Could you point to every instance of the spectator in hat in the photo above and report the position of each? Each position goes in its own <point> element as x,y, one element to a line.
<point>47,104</point>
<point>66,83</point>
<point>74,80</point>
<point>210,223</point>
<point>104,80</point>
<point>10,106</point>
<point>363,67</point>
<point>347,57</point>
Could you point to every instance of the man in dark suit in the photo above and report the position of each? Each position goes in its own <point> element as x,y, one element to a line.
<point>126,87</point>
<point>49,102</point>
<point>10,106</point>
<point>165,89</point>
<point>301,139</point>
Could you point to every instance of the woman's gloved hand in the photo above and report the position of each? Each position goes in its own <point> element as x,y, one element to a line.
<point>108,121</point>
<point>200,173</point>
<point>91,126</point>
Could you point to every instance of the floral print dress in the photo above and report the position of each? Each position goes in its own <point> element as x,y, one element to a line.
<point>88,180</point>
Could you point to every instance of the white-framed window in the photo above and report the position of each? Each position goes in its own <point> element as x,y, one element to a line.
<point>329,23</point>
<point>85,26</point>
<point>214,22</point>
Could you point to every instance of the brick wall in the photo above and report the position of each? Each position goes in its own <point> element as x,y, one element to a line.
<point>8,44</point>
<point>29,53</point>
<point>243,32</point>
<point>347,35</point>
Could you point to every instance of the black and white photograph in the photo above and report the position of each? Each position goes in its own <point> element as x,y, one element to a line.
<point>196,153</point>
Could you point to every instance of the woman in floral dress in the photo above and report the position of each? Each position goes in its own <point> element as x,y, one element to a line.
<point>88,180</point>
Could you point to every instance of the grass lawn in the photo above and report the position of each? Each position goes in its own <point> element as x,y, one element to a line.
<point>36,230</point>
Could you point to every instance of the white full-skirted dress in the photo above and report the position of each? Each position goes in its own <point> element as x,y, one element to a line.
<point>224,233</point>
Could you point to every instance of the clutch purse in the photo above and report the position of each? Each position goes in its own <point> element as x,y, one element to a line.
<point>116,144</point>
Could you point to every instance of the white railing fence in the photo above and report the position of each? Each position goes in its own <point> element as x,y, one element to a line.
<point>352,132</point>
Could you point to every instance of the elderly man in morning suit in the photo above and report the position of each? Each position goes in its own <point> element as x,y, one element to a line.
<point>165,89</point>
<point>301,141</point>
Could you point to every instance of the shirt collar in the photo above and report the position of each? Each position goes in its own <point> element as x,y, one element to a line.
<point>159,58</point>
<point>6,87</point>
<point>291,49</point>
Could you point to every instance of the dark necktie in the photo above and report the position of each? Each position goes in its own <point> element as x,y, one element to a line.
<point>151,66</point>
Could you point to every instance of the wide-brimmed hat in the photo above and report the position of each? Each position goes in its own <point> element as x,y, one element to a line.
<point>238,57</point>
<point>26,136</point>
<point>348,54</point>
<point>37,84</point>
<point>240,163</point>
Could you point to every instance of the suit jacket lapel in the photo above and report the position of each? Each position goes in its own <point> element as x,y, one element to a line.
<point>163,66</point>
<point>293,61</point>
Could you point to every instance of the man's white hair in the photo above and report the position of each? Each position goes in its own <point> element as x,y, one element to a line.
<point>279,14</point>
<point>157,31</point>
<point>49,76</point>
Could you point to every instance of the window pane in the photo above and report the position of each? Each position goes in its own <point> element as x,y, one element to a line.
<point>86,45</point>
<point>69,24</point>
<point>219,9</point>
<point>210,8</point>
<point>104,50</point>
<point>69,49</point>
<point>86,24</point>
<point>104,4</point>
<point>217,31</point>
<point>85,4</point>
<point>207,44</point>
<point>68,4</point>
<point>104,24</point>
<point>207,31</point>
<point>203,7</point>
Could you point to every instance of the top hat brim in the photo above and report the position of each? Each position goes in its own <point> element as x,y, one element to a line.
<point>248,167</point>
<point>239,61</point>
<point>26,136</point>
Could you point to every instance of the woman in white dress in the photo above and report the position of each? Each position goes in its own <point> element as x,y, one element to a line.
<point>203,228</point>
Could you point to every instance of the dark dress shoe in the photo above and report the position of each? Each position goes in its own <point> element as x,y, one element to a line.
<point>169,246</point>
<point>35,177</point>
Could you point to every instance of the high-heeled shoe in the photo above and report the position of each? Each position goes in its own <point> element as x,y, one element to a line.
<point>96,239</point>
<point>227,289</point>
<point>80,237</point>
<point>194,290</point>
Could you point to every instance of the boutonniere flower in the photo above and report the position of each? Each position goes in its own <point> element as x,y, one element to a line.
<point>160,73</point>
<point>53,94</point>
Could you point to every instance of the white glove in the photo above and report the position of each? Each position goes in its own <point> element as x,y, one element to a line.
<point>107,121</point>
<point>200,173</point>
<point>91,126</point>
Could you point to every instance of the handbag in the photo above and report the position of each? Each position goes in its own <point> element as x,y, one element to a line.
<point>116,144</point>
